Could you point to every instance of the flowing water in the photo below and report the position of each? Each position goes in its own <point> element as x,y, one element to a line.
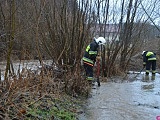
<point>136,100</point>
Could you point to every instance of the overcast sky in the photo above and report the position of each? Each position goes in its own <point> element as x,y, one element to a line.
<point>115,10</point>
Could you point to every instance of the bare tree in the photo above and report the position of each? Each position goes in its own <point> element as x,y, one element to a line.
<point>11,37</point>
<point>60,30</point>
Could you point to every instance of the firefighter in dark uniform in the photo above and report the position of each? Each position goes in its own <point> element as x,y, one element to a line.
<point>149,61</point>
<point>90,55</point>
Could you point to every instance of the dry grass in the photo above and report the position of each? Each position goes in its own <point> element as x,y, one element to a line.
<point>17,95</point>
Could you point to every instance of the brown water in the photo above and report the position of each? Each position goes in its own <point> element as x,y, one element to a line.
<point>137,100</point>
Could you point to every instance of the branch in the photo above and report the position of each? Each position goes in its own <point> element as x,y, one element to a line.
<point>150,17</point>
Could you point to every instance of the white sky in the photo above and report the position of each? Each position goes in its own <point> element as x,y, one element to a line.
<point>115,10</point>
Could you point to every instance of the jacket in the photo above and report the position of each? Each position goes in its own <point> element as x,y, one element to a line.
<point>90,53</point>
<point>148,56</point>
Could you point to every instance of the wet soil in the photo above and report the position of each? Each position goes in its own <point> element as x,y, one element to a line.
<point>136,100</point>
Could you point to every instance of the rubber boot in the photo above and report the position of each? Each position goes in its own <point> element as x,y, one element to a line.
<point>147,73</point>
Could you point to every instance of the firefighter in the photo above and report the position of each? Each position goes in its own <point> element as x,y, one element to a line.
<point>90,55</point>
<point>149,60</point>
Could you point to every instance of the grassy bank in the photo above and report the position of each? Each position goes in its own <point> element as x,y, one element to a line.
<point>42,97</point>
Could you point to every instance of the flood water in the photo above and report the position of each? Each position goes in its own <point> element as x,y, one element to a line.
<point>136,100</point>
<point>18,65</point>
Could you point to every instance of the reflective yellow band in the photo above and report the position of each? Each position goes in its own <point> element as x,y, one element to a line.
<point>147,71</point>
<point>153,71</point>
<point>88,48</point>
<point>87,60</point>
<point>151,58</point>
<point>92,52</point>
<point>149,53</point>
<point>89,78</point>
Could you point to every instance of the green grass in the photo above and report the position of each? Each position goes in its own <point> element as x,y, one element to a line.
<point>43,113</point>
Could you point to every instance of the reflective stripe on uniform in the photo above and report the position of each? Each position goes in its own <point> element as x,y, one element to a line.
<point>151,58</point>
<point>153,71</point>
<point>90,78</point>
<point>147,71</point>
<point>149,53</point>
<point>88,48</point>
<point>92,52</point>
<point>88,63</point>
<point>87,60</point>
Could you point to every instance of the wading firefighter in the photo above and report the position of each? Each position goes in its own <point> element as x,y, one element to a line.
<point>149,61</point>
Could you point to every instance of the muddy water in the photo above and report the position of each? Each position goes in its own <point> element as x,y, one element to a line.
<point>136,100</point>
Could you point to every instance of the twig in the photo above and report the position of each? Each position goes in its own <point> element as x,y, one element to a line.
<point>36,100</point>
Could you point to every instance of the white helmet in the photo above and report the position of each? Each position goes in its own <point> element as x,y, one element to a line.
<point>100,41</point>
<point>143,52</point>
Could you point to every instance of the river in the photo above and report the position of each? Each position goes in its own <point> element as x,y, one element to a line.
<point>19,65</point>
<point>136,100</point>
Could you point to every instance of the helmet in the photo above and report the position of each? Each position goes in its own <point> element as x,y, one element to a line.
<point>143,52</point>
<point>100,41</point>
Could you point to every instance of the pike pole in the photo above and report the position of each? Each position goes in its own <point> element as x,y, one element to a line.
<point>98,71</point>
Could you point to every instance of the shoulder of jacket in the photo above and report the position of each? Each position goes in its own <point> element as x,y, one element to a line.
<point>93,43</point>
